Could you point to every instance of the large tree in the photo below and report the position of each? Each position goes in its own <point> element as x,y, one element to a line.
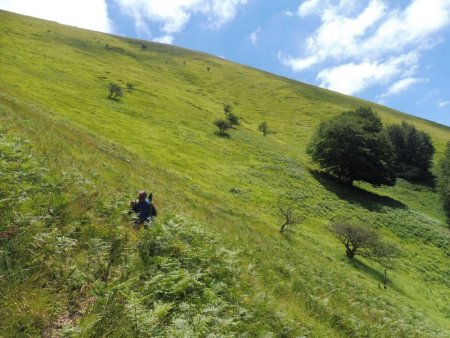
<point>352,147</point>
<point>413,151</point>
<point>444,181</point>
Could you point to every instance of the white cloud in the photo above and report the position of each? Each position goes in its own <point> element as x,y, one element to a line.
<point>173,15</point>
<point>309,7</point>
<point>339,35</point>
<point>442,104</point>
<point>401,86</point>
<point>288,13</point>
<point>362,38</point>
<point>352,78</point>
<point>298,64</point>
<point>89,14</point>
<point>167,39</point>
<point>317,7</point>
<point>414,27</point>
<point>254,35</point>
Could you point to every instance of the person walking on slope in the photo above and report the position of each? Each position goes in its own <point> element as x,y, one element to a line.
<point>144,209</point>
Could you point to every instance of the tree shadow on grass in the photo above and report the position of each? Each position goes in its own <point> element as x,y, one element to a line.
<point>355,195</point>
<point>377,275</point>
<point>366,269</point>
<point>223,135</point>
<point>428,180</point>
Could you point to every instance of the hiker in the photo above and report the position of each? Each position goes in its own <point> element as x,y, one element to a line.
<point>144,209</point>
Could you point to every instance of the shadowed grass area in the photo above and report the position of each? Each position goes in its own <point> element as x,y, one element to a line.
<point>71,159</point>
<point>368,200</point>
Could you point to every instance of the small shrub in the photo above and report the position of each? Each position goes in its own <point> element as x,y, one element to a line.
<point>290,217</point>
<point>223,125</point>
<point>115,91</point>
<point>233,119</point>
<point>263,128</point>
<point>130,86</point>
<point>227,108</point>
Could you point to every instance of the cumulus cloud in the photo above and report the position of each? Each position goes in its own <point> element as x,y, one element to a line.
<point>298,64</point>
<point>173,15</point>
<point>89,14</point>
<point>362,40</point>
<point>310,7</point>
<point>352,78</point>
<point>414,27</point>
<point>167,39</point>
<point>401,86</point>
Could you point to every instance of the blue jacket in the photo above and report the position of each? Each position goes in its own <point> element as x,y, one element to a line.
<point>143,209</point>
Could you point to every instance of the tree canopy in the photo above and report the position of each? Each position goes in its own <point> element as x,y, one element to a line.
<point>223,125</point>
<point>413,151</point>
<point>233,119</point>
<point>115,91</point>
<point>352,147</point>
<point>444,181</point>
<point>361,240</point>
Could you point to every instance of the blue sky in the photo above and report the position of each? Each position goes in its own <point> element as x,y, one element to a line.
<point>392,52</point>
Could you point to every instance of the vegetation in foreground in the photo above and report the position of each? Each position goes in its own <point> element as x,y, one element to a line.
<point>105,280</point>
<point>444,182</point>
<point>69,259</point>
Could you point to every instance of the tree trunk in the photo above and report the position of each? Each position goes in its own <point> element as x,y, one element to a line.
<point>350,252</point>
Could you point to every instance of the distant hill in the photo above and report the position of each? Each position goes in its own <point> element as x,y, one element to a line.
<point>215,263</point>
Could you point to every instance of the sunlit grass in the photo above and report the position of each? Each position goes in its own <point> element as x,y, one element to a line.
<point>94,153</point>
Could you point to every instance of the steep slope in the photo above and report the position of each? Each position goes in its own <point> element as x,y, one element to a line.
<point>159,136</point>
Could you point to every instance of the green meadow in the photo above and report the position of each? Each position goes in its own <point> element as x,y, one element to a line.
<point>215,263</point>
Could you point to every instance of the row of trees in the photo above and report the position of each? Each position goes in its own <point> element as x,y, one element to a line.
<point>116,91</point>
<point>228,122</point>
<point>354,146</point>
<point>413,151</point>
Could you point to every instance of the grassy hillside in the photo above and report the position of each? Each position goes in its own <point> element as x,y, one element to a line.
<point>71,159</point>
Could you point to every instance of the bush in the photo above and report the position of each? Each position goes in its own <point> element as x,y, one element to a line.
<point>130,86</point>
<point>352,147</point>
<point>263,128</point>
<point>223,125</point>
<point>227,108</point>
<point>115,91</point>
<point>233,119</point>
<point>413,151</point>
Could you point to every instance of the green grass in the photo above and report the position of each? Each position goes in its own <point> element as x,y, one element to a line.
<point>86,155</point>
